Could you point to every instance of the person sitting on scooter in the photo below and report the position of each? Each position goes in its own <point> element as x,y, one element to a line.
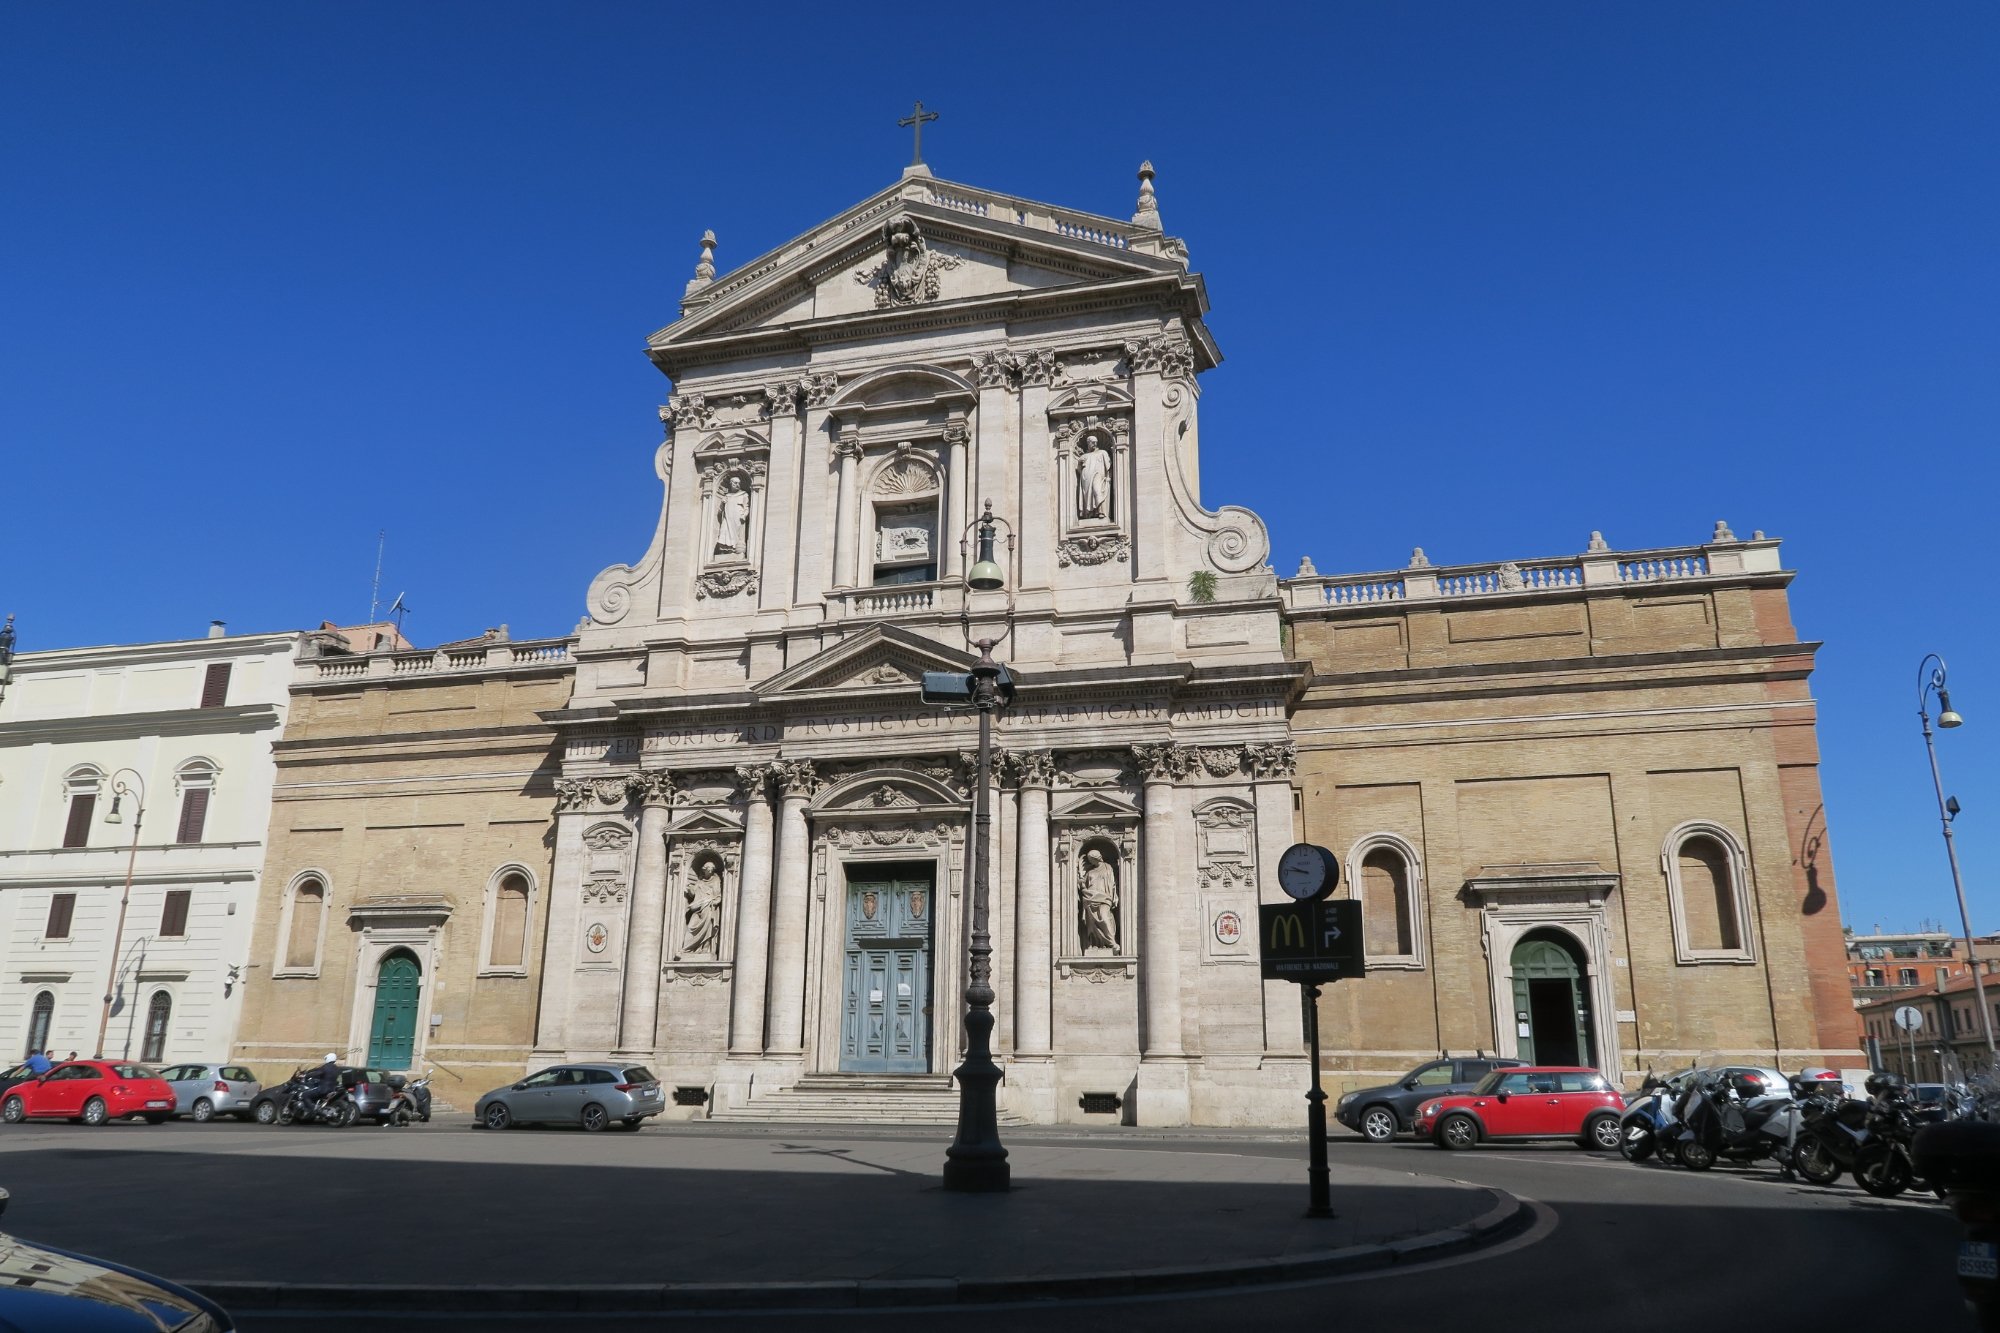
<point>324,1081</point>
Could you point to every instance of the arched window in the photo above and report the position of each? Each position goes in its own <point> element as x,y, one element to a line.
<point>195,780</point>
<point>79,804</point>
<point>1388,879</point>
<point>1707,894</point>
<point>507,900</point>
<point>302,925</point>
<point>40,1018</point>
<point>159,1012</point>
<point>903,496</point>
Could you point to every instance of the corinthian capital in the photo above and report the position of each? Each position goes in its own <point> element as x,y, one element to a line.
<point>1278,759</point>
<point>820,389</point>
<point>572,794</point>
<point>754,780</point>
<point>1041,367</point>
<point>996,370</point>
<point>688,411</point>
<point>781,399</point>
<point>795,777</point>
<point>1169,355</point>
<point>652,786</point>
<point>1031,768</point>
<point>1162,763</point>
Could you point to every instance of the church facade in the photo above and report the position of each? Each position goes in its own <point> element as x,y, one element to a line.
<point>744,842</point>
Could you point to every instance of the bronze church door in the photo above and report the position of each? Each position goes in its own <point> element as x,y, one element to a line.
<point>886,978</point>
<point>1552,1009</point>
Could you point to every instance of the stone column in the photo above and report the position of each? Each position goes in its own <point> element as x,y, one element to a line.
<point>1271,768</point>
<point>846,546</point>
<point>565,891</point>
<point>753,917</point>
<point>1159,908</point>
<point>1031,903</point>
<point>955,518</point>
<point>639,1001</point>
<point>778,519</point>
<point>788,912</point>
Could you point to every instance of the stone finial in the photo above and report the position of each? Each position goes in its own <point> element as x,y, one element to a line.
<point>1306,569</point>
<point>1597,542</point>
<point>1148,215</point>
<point>1722,532</point>
<point>1757,535</point>
<point>1418,560</point>
<point>704,269</point>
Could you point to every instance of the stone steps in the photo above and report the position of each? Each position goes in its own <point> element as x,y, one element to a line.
<point>827,1099</point>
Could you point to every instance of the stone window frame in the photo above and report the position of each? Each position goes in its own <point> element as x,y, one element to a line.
<point>923,449</point>
<point>281,968</point>
<point>196,773</point>
<point>1413,884</point>
<point>85,779</point>
<point>489,915</point>
<point>1685,953</point>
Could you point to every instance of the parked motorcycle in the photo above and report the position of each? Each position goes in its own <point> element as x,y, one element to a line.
<point>1885,1166</point>
<point>1731,1117</point>
<point>409,1100</point>
<point>308,1105</point>
<point>1648,1128</point>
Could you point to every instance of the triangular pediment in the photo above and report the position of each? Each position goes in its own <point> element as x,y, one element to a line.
<point>881,658</point>
<point>925,243</point>
<point>1096,806</point>
<point>703,820</point>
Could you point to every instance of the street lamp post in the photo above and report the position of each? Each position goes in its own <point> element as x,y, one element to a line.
<point>1931,678</point>
<point>120,789</point>
<point>976,1162</point>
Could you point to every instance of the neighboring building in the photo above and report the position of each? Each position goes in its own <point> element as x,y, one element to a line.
<point>1880,965</point>
<point>409,860</point>
<point>1949,1044</point>
<point>733,844</point>
<point>1579,799</point>
<point>189,723</point>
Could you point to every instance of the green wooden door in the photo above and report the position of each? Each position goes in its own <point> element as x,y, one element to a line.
<point>392,1037</point>
<point>886,997</point>
<point>1551,1004</point>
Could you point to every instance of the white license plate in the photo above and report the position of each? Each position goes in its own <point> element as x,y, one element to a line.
<point>1977,1259</point>
<point>153,1104</point>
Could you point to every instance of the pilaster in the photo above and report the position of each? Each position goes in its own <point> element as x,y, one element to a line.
<point>792,896</point>
<point>753,916</point>
<point>639,999</point>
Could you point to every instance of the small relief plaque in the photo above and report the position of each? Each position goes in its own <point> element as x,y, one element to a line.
<point>874,997</point>
<point>917,905</point>
<point>904,544</point>
<point>1228,927</point>
<point>596,937</point>
<point>903,990</point>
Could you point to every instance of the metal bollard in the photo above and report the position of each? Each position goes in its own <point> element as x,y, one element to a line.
<point>1963,1157</point>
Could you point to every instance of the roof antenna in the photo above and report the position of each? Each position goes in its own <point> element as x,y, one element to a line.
<point>375,589</point>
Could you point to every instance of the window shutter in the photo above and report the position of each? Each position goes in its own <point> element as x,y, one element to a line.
<point>215,685</point>
<point>194,814</point>
<point>174,920</point>
<point>82,805</point>
<point>61,908</point>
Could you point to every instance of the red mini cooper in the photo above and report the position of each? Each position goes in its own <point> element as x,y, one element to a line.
<point>1531,1102</point>
<point>92,1091</point>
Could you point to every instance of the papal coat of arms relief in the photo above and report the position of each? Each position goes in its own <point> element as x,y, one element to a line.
<point>908,274</point>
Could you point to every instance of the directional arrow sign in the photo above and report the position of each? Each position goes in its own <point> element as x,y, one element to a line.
<point>1314,941</point>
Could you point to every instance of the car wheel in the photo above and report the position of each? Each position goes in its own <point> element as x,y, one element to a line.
<point>203,1110</point>
<point>1697,1156</point>
<point>497,1116</point>
<point>1881,1172</point>
<point>1457,1132</point>
<point>265,1112</point>
<point>95,1112</point>
<point>14,1111</point>
<point>1814,1163</point>
<point>595,1118</point>
<point>1378,1124</point>
<point>1601,1134</point>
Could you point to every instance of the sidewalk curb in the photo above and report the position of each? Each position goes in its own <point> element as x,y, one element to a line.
<point>1507,1216</point>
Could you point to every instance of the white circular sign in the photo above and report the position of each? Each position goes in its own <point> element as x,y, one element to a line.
<point>1909,1018</point>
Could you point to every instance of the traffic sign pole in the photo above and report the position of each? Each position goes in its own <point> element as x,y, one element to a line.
<point>1321,1199</point>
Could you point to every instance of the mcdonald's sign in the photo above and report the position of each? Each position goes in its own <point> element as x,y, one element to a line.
<point>1314,941</point>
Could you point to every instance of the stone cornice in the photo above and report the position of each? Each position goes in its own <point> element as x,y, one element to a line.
<point>1615,668</point>
<point>231,719</point>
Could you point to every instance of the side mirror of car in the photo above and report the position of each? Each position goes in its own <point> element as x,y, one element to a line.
<point>1500,1096</point>
<point>1409,1085</point>
<point>519,1087</point>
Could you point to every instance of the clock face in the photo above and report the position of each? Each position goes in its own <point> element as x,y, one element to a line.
<point>1306,871</point>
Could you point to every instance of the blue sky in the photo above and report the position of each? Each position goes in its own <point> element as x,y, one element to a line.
<point>275,277</point>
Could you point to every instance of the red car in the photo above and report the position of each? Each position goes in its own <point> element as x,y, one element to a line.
<point>91,1091</point>
<point>1531,1102</point>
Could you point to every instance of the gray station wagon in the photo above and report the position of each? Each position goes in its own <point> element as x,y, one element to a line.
<point>202,1092</point>
<point>591,1095</point>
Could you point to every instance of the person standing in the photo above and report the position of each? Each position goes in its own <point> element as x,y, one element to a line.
<point>39,1063</point>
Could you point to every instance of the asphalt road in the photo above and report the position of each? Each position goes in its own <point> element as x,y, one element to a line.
<point>1635,1248</point>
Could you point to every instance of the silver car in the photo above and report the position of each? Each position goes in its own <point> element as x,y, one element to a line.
<point>591,1095</point>
<point>203,1092</point>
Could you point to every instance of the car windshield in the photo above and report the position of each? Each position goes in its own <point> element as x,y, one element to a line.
<point>1491,1083</point>
<point>133,1071</point>
<point>639,1074</point>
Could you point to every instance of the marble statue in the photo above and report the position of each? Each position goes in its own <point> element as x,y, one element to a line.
<point>1097,903</point>
<point>732,525</point>
<point>703,918</point>
<point>1093,481</point>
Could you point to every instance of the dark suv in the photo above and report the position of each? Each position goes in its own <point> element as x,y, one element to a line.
<point>1379,1114</point>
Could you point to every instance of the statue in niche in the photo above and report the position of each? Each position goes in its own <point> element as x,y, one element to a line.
<point>1093,480</point>
<point>732,518</point>
<point>1097,903</point>
<point>703,917</point>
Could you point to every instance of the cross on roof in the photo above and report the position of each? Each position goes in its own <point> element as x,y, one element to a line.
<point>915,120</point>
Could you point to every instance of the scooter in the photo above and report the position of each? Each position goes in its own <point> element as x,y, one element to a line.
<point>1734,1119</point>
<point>1648,1127</point>
<point>409,1099</point>
<point>303,1106</point>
